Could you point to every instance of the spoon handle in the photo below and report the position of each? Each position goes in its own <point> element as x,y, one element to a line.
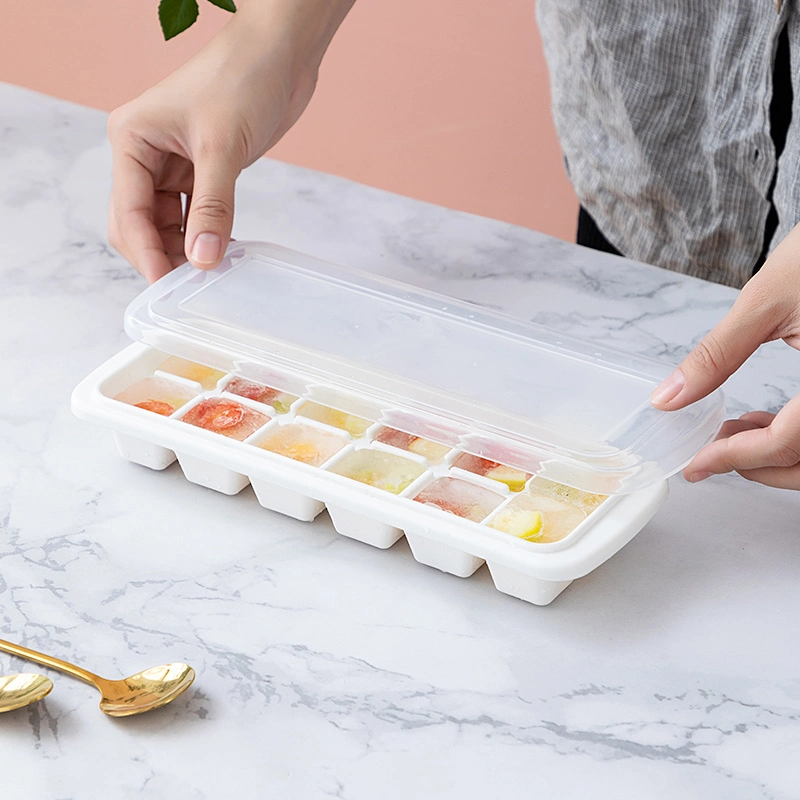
<point>48,661</point>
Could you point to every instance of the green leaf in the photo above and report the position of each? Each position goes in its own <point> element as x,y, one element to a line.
<point>228,5</point>
<point>176,16</point>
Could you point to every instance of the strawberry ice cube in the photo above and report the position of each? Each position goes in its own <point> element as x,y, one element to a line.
<point>432,451</point>
<point>280,401</point>
<point>227,417</point>
<point>459,497</point>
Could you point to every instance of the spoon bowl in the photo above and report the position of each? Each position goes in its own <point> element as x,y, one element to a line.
<point>151,688</point>
<point>22,689</point>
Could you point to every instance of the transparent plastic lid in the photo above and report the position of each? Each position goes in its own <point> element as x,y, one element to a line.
<point>495,386</point>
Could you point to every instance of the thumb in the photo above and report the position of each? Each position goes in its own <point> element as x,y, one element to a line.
<point>726,347</point>
<point>210,218</point>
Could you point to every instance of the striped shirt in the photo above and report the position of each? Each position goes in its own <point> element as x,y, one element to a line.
<point>663,112</point>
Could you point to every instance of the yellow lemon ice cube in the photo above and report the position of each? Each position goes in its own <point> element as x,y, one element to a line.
<point>526,525</point>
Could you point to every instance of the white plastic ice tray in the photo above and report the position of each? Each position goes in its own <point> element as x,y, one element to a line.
<point>535,572</point>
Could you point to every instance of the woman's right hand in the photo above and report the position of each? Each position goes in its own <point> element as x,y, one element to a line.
<point>761,446</point>
<point>179,147</point>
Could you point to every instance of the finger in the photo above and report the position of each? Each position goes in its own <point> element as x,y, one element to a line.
<point>759,418</point>
<point>692,472</point>
<point>754,447</point>
<point>748,324</point>
<point>695,471</point>
<point>210,217</point>
<point>779,477</point>
<point>133,199</point>
<point>168,219</point>
<point>733,426</point>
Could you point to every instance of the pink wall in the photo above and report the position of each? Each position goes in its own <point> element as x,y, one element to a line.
<point>443,100</point>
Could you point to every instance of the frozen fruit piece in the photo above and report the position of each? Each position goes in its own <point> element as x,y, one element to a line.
<point>514,478</point>
<point>574,497</point>
<point>158,395</point>
<point>375,468</point>
<point>461,498</point>
<point>207,377</point>
<point>302,443</point>
<point>156,406</point>
<point>226,417</point>
<point>280,401</point>
<point>538,518</point>
<point>217,415</point>
<point>433,451</point>
<point>222,415</point>
<point>394,438</point>
<point>525,524</point>
<point>355,426</point>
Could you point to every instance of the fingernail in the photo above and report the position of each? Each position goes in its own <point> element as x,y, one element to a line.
<point>206,248</point>
<point>669,389</point>
<point>701,475</point>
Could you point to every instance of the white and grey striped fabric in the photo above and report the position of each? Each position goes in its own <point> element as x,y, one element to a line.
<point>662,109</point>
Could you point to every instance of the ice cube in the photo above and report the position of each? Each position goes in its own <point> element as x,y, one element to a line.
<point>280,401</point>
<point>433,451</point>
<point>207,377</point>
<point>158,395</point>
<point>514,478</point>
<point>459,497</point>
<point>227,417</point>
<point>385,471</point>
<point>302,443</point>
<point>588,502</point>
<point>355,426</point>
<point>538,518</point>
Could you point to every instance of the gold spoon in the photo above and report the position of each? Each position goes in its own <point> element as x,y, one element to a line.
<point>151,688</point>
<point>22,689</point>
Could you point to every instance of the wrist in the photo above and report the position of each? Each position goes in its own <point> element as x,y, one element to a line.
<point>301,29</point>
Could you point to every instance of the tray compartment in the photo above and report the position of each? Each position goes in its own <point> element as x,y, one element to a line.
<point>441,556</point>
<point>212,476</point>
<point>463,498</point>
<point>353,424</point>
<point>526,587</point>
<point>280,401</point>
<point>379,471</point>
<point>433,452</point>
<point>515,479</point>
<point>537,518</point>
<point>363,528</point>
<point>306,442</point>
<point>285,501</point>
<point>144,452</point>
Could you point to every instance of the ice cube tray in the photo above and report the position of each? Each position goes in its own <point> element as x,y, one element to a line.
<point>346,355</point>
<point>532,571</point>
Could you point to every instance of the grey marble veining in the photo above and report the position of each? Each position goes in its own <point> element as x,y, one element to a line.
<point>328,669</point>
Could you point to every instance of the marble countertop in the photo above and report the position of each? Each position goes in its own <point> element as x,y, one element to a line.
<point>327,668</point>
